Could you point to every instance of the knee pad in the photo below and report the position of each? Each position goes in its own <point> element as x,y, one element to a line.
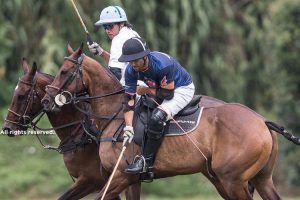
<point>157,123</point>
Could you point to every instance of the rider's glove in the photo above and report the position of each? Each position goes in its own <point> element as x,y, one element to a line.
<point>95,48</point>
<point>128,134</point>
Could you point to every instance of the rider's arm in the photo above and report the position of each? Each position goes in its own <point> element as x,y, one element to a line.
<point>105,55</point>
<point>166,88</point>
<point>141,90</point>
<point>129,102</point>
<point>167,83</point>
<point>166,91</point>
<point>96,49</point>
<point>129,96</point>
<point>128,116</point>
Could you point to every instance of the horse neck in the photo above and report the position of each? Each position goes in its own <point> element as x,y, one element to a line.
<point>67,114</point>
<point>102,82</point>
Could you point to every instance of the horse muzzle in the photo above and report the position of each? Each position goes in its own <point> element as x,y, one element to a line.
<point>7,131</point>
<point>12,129</point>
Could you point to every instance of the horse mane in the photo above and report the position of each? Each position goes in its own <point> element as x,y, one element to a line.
<point>96,64</point>
<point>44,74</point>
<point>44,77</point>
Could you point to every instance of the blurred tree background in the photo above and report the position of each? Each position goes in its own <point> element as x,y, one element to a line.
<point>244,51</point>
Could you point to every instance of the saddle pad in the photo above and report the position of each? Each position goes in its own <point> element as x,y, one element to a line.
<point>187,123</point>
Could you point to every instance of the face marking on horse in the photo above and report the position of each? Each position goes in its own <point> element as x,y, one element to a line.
<point>17,86</point>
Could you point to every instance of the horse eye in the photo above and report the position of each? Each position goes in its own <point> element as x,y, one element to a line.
<point>63,72</point>
<point>20,97</point>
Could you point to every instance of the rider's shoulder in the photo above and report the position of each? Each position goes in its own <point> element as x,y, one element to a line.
<point>125,34</point>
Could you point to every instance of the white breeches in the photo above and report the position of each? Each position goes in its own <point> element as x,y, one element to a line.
<point>182,96</point>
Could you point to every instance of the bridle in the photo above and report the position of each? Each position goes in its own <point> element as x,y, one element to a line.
<point>76,97</point>
<point>24,119</point>
<point>76,73</point>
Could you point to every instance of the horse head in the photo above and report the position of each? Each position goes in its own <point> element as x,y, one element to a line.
<point>69,78</point>
<point>78,74</point>
<point>25,102</point>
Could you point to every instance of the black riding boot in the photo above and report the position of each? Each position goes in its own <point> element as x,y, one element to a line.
<point>152,142</point>
<point>149,152</point>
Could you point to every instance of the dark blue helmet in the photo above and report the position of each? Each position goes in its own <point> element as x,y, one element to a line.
<point>133,49</point>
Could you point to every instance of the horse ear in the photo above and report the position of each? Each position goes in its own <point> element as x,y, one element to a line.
<point>25,66</point>
<point>79,50</point>
<point>69,49</point>
<point>33,69</point>
<point>81,46</point>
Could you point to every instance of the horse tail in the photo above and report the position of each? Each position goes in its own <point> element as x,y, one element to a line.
<point>281,130</point>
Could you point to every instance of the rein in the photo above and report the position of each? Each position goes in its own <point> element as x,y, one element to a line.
<point>26,121</point>
<point>35,127</point>
<point>75,99</point>
<point>68,147</point>
<point>63,148</point>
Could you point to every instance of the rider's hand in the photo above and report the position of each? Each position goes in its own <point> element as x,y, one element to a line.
<point>95,48</point>
<point>128,134</point>
<point>142,90</point>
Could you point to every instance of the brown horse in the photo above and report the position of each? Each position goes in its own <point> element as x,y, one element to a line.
<point>79,153</point>
<point>233,145</point>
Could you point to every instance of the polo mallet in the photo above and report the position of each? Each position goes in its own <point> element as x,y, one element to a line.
<point>89,39</point>
<point>125,142</point>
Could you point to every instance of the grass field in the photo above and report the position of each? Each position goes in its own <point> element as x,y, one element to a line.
<point>199,198</point>
<point>153,197</point>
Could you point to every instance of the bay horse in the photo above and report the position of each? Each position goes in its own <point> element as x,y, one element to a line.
<point>233,145</point>
<point>80,154</point>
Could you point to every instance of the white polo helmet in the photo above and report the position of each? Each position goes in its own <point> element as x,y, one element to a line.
<point>111,14</point>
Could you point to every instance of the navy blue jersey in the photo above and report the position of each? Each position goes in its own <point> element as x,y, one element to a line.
<point>163,69</point>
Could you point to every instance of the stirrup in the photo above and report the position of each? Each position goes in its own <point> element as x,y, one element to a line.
<point>136,158</point>
<point>147,176</point>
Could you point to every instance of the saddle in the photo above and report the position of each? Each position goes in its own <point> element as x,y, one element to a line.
<point>188,118</point>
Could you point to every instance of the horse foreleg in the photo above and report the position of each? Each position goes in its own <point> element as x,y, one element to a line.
<point>118,184</point>
<point>82,188</point>
<point>133,192</point>
<point>79,190</point>
<point>216,182</point>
